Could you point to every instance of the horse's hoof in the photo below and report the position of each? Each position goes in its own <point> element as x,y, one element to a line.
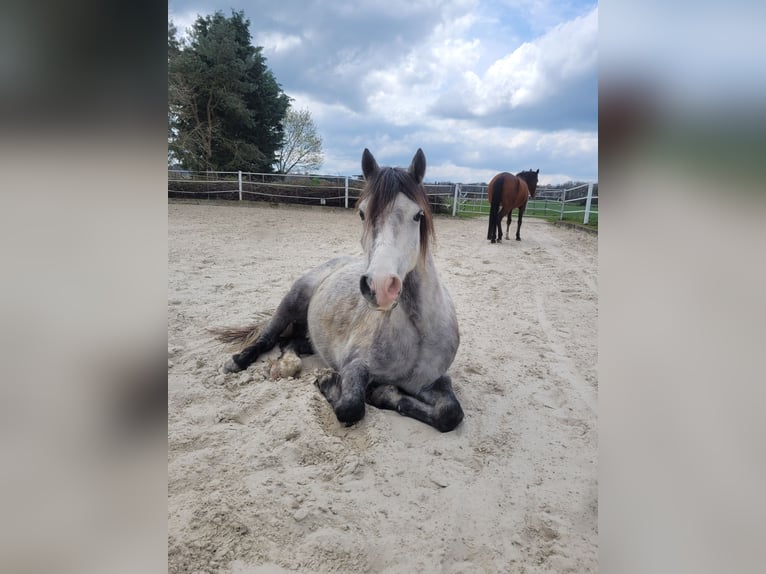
<point>492,240</point>
<point>518,239</point>
<point>231,367</point>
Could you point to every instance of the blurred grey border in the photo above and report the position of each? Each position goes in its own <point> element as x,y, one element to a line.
<point>83,306</point>
<point>682,287</point>
<point>83,234</point>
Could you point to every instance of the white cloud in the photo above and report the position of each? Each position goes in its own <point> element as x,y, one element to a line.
<point>183,21</point>
<point>443,72</point>
<point>536,70</point>
<point>401,95</point>
<point>568,144</point>
<point>452,80</point>
<point>406,89</point>
<point>276,42</point>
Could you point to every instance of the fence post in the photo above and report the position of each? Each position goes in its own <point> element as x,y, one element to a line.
<point>346,192</point>
<point>563,199</point>
<point>587,203</point>
<point>239,178</point>
<point>454,202</point>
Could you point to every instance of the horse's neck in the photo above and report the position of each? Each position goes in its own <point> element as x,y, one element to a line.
<point>423,289</point>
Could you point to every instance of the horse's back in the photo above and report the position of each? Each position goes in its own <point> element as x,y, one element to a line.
<point>502,174</point>
<point>305,287</point>
<point>318,274</point>
<point>514,190</point>
<point>336,302</point>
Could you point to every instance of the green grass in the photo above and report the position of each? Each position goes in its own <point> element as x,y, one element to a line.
<point>574,213</point>
<point>537,208</point>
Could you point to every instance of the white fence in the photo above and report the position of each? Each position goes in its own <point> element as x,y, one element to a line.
<point>343,191</point>
<point>567,203</point>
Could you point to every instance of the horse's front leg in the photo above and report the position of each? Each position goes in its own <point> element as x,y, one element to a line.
<point>508,225</point>
<point>436,405</point>
<point>345,391</point>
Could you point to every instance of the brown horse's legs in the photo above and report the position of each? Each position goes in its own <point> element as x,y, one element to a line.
<point>518,225</point>
<point>494,196</point>
<point>436,405</point>
<point>500,226</point>
<point>508,224</point>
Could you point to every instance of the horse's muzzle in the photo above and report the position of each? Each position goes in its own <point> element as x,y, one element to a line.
<point>381,292</point>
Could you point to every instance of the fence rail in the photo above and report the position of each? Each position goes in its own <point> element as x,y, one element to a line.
<point>576,203</point>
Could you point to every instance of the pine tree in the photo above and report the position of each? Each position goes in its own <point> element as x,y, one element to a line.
<point>225,107</point>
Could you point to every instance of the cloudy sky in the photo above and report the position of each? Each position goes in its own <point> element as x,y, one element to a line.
<point>481,85</point>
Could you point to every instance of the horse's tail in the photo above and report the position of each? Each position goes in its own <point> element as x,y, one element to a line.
<point>241,336</point>
<point>494,207</point>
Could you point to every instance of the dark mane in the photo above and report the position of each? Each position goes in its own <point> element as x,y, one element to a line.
<point>382,189</point>
<point>530,176</point>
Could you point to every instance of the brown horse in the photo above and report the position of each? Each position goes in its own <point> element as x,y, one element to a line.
<point>511,192</point>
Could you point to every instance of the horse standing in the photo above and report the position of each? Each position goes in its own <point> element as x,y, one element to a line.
<point>509,192</point>
<point>384,323</point>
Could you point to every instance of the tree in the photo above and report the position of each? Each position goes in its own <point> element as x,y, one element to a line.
<point>174,48</point>
<point>225,108</point>
<point>302,146</point>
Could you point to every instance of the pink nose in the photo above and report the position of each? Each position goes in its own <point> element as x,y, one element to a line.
<point>389,292</point>
<point>384,290</point>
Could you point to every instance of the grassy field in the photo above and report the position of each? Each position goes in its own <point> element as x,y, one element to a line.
<point>545,209</point>
<point>551,210</point>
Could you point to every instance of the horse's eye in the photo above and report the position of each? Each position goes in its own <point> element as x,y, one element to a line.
<point>361,215</point>
<point>418,216</point>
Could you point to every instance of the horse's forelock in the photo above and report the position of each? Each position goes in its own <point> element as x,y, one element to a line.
<point>382,190</point>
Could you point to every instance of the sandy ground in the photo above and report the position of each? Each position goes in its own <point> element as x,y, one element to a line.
<point>261,476</point>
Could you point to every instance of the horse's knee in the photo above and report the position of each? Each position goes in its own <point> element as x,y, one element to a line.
<point>349,411</point>
<point>328,384</point>
<point>449,416</point>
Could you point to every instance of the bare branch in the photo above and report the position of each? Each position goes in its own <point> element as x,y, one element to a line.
<point>302,146</point>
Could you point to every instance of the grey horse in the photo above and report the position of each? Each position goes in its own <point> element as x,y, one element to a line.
<point>384,323</point>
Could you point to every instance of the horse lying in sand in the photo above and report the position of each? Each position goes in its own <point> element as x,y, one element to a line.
<point>384,323</point>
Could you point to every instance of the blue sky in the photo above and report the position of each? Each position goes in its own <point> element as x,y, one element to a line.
<point>481,86</point>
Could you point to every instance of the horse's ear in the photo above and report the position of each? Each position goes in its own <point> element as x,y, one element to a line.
<point>418,166</point>
<point>369,165</point>
<point>538,170</point>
